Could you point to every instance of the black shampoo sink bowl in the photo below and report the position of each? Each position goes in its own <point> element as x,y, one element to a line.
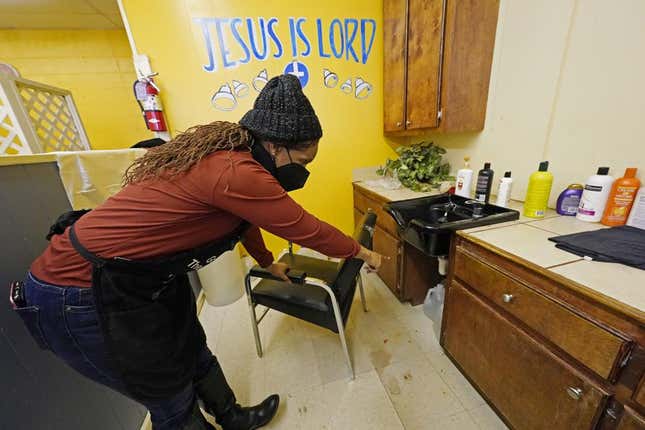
<point>429,222</point>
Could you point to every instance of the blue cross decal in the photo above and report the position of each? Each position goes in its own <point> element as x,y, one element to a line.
<point>299,70</point>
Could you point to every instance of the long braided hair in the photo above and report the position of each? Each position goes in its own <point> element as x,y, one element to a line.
<point>184,151</point>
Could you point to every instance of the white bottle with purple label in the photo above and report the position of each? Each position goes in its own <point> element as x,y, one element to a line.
<point>595,195</point>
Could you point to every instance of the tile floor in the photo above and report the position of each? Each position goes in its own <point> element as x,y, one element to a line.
<point>403,379</point>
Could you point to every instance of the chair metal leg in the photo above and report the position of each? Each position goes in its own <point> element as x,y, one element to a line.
<point>360,289</point>
<point>341,332</point>
<point>254,321</point>
<point>343,342</point>
<point>337,315</point>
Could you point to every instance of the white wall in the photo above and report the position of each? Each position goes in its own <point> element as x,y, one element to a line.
<point>568,86</point>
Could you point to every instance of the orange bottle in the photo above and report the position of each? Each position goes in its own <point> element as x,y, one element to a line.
<point>621,198</point>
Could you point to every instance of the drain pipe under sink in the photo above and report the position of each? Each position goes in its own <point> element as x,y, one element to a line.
<point>443,265</point>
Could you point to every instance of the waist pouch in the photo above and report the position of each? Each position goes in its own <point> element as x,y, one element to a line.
<point>148,316</point>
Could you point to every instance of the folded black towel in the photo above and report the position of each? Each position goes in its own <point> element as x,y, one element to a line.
<point>624,244</point>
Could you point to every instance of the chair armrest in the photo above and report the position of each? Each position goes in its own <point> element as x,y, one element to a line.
<point>296,276</point>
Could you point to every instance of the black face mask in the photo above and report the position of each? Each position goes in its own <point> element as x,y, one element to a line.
<point>292,176</point>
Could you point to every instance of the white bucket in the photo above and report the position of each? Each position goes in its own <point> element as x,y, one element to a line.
<point>223,279</point>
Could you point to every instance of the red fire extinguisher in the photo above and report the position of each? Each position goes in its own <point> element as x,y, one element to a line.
<point>147,95</point>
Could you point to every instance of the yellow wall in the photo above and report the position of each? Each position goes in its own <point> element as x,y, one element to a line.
<point>95,65</point>
<point>567,86</point>
<point>352,128</point>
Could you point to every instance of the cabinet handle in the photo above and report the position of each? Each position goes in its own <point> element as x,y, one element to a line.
<point>408,122</point>
<point>399,124</point>
<point>507,298</point>
<point>574,392</point>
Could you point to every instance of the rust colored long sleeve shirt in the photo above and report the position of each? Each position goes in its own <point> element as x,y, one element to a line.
<point>162,217</point>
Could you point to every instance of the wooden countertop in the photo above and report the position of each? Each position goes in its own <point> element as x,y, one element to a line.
<point>391,195</point>
<point>617,285</point>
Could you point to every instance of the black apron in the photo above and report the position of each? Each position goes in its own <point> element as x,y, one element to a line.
<point>148,315</point>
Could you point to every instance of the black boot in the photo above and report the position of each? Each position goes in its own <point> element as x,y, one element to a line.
<point>254,417</point>
<point>196,420</point>
<point>213,390</point>
<point>219,401</point>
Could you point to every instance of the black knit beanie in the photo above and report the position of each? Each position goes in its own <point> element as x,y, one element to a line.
<point>282,113</point>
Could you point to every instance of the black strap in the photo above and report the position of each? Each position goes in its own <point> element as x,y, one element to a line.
<point>84,252</point>
<point>181,262</point>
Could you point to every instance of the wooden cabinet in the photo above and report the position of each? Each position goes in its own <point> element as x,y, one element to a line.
<point>388,246</point>
<point>425,36</point>
<point>408,273</point>
<point>532,388</point>
<point>543,351</point>
<point>596,347</point>
<point>386,241</point>
<point>631,420</point>
<point>639,394</point>
<point>394,58</point>
<point>437,62</point>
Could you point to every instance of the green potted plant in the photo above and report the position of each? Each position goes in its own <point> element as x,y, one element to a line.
<point>419,167</point>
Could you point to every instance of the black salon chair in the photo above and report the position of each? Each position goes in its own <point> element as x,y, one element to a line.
<point>321,291</point>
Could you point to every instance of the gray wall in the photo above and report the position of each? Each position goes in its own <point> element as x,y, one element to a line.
<point>38,390</point>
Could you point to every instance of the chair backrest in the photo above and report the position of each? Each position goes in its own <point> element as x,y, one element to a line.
<point>345,283</point>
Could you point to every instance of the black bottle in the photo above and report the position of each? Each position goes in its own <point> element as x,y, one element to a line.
<point>484,183</point>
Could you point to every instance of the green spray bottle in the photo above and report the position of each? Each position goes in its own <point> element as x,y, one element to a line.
<point>539,190</point>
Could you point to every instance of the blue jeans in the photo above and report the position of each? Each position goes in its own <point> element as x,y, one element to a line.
<point>64,320</point>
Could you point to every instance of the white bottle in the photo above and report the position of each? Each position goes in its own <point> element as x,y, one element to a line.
<point>464,180</point>
<point>595,195</point>
<point>504,190</point>
<point>637,214</point>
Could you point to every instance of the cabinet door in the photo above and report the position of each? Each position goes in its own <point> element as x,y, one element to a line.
<point>395,22</point>
<point>425,42</point>
<point>631,421</point>
<point>639,395</point>
<point>388,246</point>
<point>358,216</point>
<point>419,273</point>
<point>531,387</point>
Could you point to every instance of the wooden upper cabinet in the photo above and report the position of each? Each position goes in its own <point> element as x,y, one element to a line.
<point>425,38</point>
<point>395,23</point>
<point>437,62</point>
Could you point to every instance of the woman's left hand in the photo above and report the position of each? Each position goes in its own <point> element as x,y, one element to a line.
<point>279,270</point>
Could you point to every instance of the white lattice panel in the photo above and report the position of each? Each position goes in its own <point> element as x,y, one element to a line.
<point>51,119</point>
<point>38,118</point>
<point>12,141</point>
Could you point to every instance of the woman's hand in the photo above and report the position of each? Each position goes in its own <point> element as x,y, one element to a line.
<point>371,258</point>
<point>279,270</point>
